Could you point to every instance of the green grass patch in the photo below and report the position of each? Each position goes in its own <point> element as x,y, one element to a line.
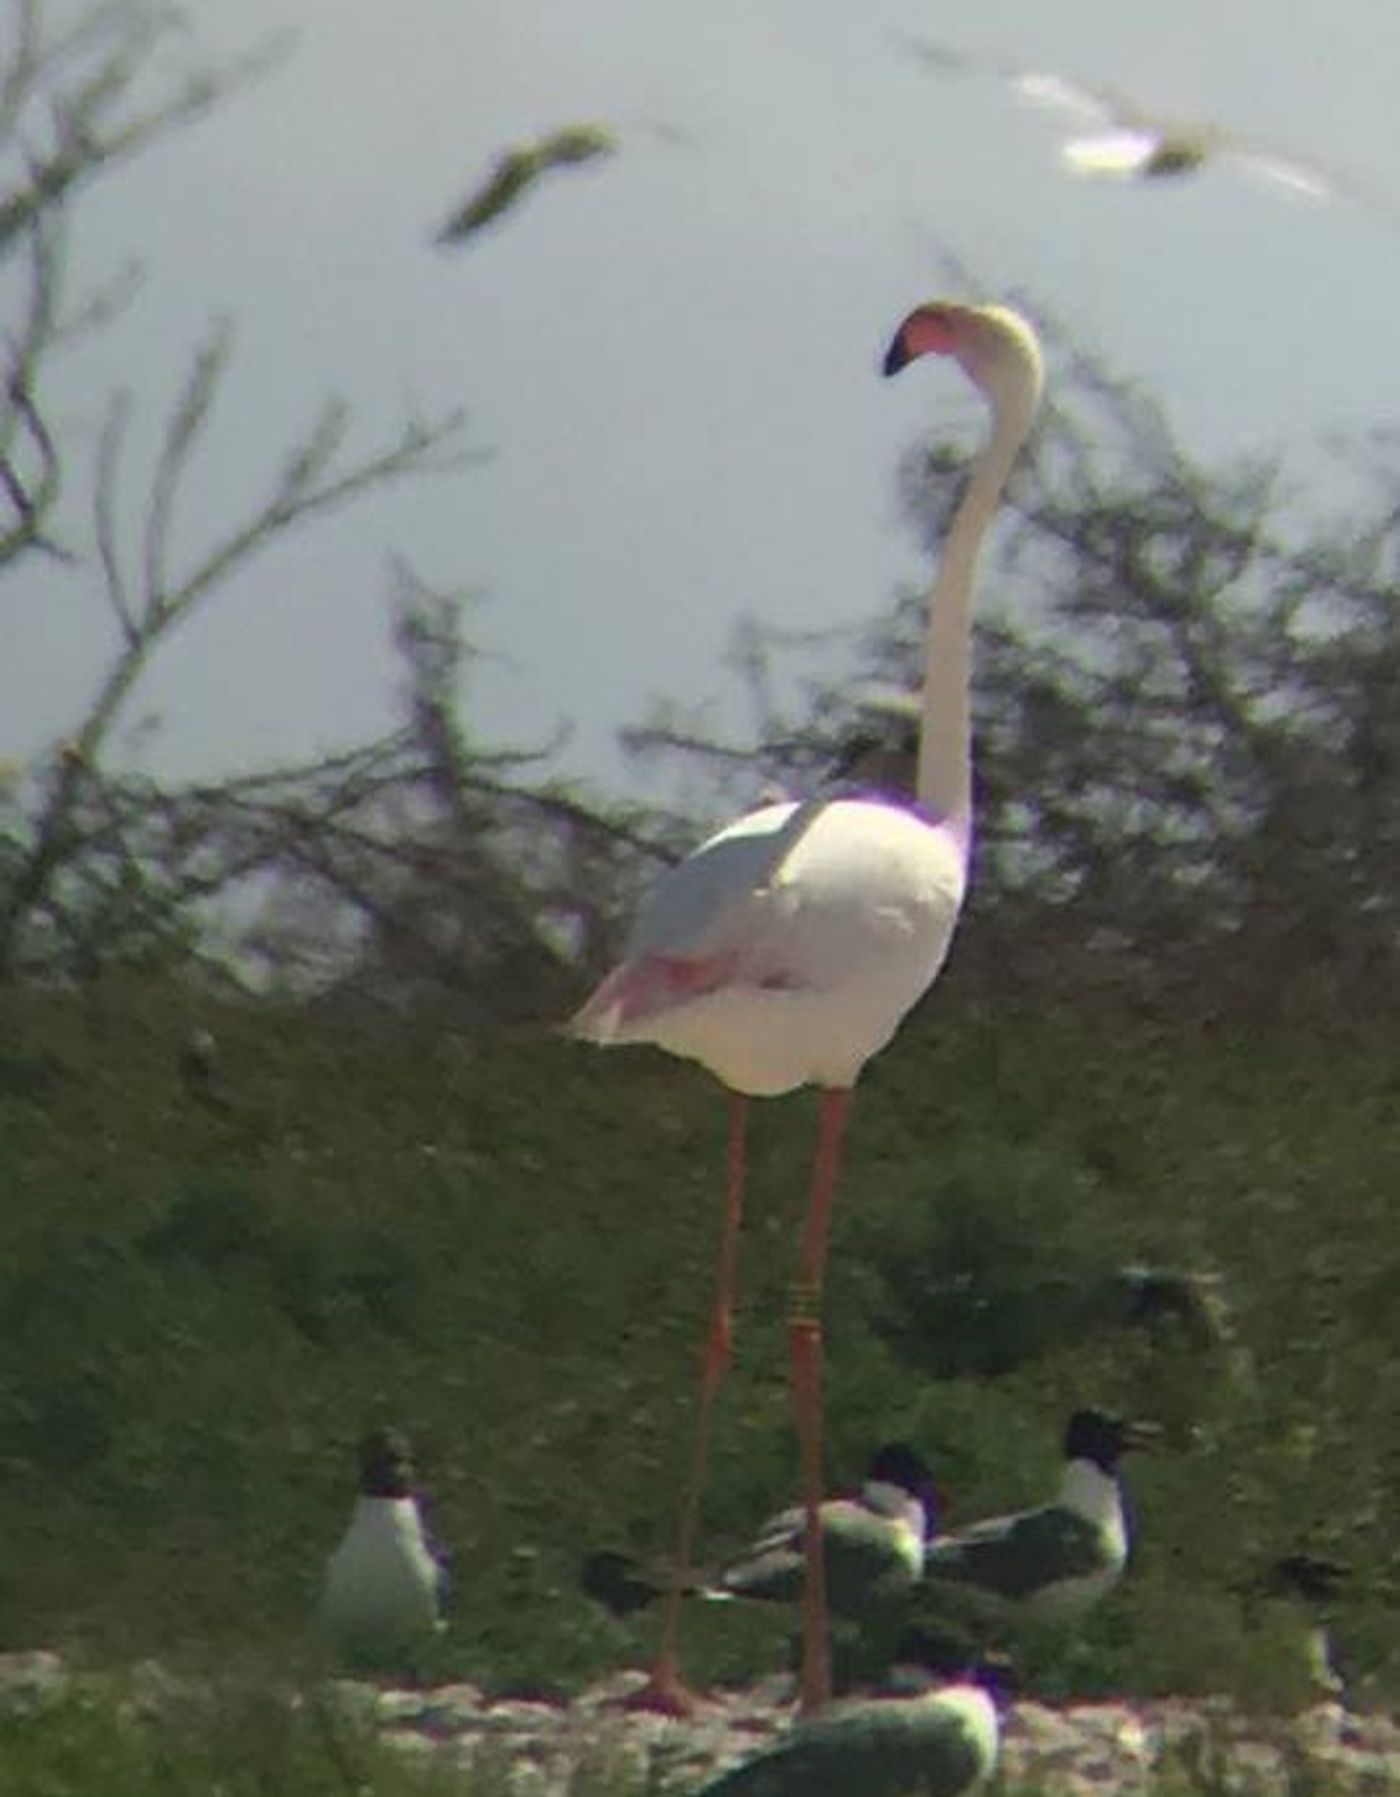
<point>505,1246</point>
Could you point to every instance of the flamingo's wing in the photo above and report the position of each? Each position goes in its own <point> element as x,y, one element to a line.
<point>710,903</point>
<point>706,922</point>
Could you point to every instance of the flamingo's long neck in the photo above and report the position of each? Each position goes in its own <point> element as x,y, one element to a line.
<point>945,734</point>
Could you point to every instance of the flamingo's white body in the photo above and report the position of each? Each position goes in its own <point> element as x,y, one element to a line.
<point>785,950</point>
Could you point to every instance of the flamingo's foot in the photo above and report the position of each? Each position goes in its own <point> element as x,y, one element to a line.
<point>814,1677</point>
<point>665,1693</point>
<point>814,1694</point>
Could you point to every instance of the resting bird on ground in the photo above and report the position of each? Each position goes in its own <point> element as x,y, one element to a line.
<point>1114,136</point>
<point>1313,1583</point>
<point>1175,1301</point>
<point>872,1548</point>
<point>198,1065</point>
<point>382,1593</point>
<point>941,1742</point>
<point>519,169</point>
<point>787,948</point>
<point>1052,1563</point>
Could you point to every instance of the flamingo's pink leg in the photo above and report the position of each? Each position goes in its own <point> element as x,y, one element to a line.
<point>665,1690</point>
<point>805,1362</point>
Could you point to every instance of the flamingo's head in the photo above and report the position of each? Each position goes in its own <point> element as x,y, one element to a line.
<point>995,347</point>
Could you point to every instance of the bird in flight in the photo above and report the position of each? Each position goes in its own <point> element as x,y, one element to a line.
<point>1110,134</point>
<point>516,170</point>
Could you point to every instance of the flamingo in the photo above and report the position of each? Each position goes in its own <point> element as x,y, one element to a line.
<point>785,950</point>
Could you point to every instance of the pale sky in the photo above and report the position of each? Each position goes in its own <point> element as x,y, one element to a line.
<point>671,355</point>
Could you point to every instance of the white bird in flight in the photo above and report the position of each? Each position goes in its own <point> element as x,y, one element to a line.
<point>785,950</point>
<point>1112,135</point>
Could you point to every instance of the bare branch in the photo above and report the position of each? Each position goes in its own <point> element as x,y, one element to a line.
<point>32,492</point>
<point>418,449</point>
<point>562,805</point>
<point>429,856</point>
<point>84,143</point>
<point>109,445</point>
<point>310,459</point>
<point>187,420</point>
<point>307,488</point>
<point>22,66</point>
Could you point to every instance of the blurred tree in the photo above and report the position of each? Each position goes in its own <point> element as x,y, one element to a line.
<point>414,869</point>
<point>392,865</point>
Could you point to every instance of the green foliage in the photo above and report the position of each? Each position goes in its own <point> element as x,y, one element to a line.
<point>241,1738</point>
<point>506,1248</point>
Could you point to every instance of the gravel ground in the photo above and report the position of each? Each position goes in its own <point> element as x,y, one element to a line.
<point>564,1749</point>
<point>1081,1750</point>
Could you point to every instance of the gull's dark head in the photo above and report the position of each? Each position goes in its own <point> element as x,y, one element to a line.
<point>386,1464</point>
<point>1312,1577</point>
<point>1096,1436</point>
<point>616,1581</point>
<point>1167,1300</point>
<point>896,1463</point>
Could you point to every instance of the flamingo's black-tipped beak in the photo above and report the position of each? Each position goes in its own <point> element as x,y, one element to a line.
<point>928,330</point>
<point>897,356</point>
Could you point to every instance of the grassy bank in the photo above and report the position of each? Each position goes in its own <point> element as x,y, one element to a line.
<point>505,1246</point>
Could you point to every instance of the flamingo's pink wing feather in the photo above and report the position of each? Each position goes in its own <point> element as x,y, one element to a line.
<point>648,986</point>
